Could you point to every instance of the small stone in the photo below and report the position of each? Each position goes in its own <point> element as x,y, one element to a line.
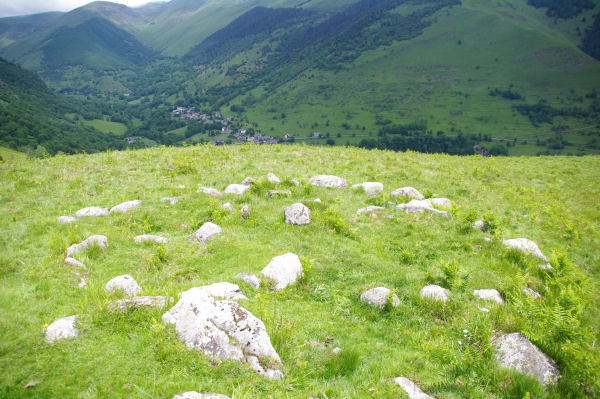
<point>412,390</point>
<point>141,302</point>
<point>441,203</point>
<point>75,262</point>
<point>170,200</point>
<point>516,352</point>
<point>328,181</point>
<point>370,188</point>
<point>489,294</point>
<point>337,350</point>
<point>92,211</point>
<point>272,178</point>
<point>125,206</point>
<point>181,186</point>
<point>484,309</point>
<point>82,283</point>
<point>95,240</point>
<point>151,237</point>
<point>284,270</point>
<point>318,200</point>
<point>66,219</point>
<point>379,297</point>
<point>62,329</point>
<point>227,206</point>
<point>435,292</point>
<point>206,232</point>
<point>125,283</point>
<point>295,182</point>
<point>250,279</point>
<point>407,192</point>
<point>247,181</point>
<point>278,193</point>
<point>237,189</point>
<point>479,225</point>
<point>196,395</point>
<point>529,292</point>
<point>297,214</point>
<point>210,191</point>
<point>245,212</point>
<point>370,209</point>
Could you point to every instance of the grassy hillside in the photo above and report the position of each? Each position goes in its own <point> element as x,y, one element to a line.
<point>443,347</point>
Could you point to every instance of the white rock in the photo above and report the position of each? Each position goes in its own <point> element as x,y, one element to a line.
<point>82,283</point>
<point>95,240</point>
<point>379,297</point>
<point>247,181</point>
<point>486,239</point>
<point>284,270</point>
<point>250,279</point>
<point>227,206</point>
<point>272,178</point>
<point>295,182</point>
<point>527,246</point>
<point>479,225</point>
<point>328,181</point>
<point>181,186</point>
<point>92,211</point>
<point>151,237</point>
<point>516,352</point>
<point>337,350</point>
<point>206,232</point>
<point>418,206</point>
<point>489,294</point>
<point>221,329</point>
<point>407,192</point>
<point>170,200</point>
<point>66,219</point>
<point>272,374</point>
<point>222,290</point>
<point>435,292</point>
<point>317,200</point>
<point>62,329</point>
<point>210,191</point>
<point>484,309</point>
<point>441,203</point>
<point>412,390</point>
<point>278,193</point>
<point>125,206</point>
<point>370,188</point>
<point>196,395</point>
<point>370,209</point>
<point>237,189</point>
<point>141,302</point>
<point>297,214</point>
<point>75,262</point>
<point>245,212</point>
<point>528,291</point>
<point>125,283</point>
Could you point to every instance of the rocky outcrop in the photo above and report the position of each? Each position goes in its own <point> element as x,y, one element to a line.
<point>297,214</point>
<point>489,294</point>
<point>95,240</point>
<point>379,297</point>
<point>125,283</point>
<point>206,232</point>
<point>435,292</point>
<point>407,192</point>
<point>528,247</point>
<point>62,329</point>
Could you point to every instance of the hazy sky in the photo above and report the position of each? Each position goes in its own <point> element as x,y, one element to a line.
<point>10,8</point>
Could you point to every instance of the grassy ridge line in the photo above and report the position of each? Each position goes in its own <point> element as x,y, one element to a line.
<point>549,200</point>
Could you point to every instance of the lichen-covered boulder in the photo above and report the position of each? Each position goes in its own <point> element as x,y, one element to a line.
<point>236,189</point>
<point>207,231</point>
<point>223,329</point>
<point>95,240</point>
<point>489,294</point>
<point>516,352</point>
<point>379,296</point>
<point>62,329</point>
<point>370,188</point>
<point>125,283</point>
<point>125,206</point>
<point>92,211</point>
<point>284,270</point>
<point>435,292</point>
<point>328,181</point>
<point>297,214</point>
<point>407,192</point>
<point>151,238</point>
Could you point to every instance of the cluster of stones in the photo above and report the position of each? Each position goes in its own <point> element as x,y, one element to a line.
<point>208,319</point>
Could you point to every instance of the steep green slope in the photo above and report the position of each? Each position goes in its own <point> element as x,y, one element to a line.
<point>31,115</point>
<point>445,347</point>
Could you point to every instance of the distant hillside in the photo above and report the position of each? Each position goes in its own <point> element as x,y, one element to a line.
<point>31,115</point>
